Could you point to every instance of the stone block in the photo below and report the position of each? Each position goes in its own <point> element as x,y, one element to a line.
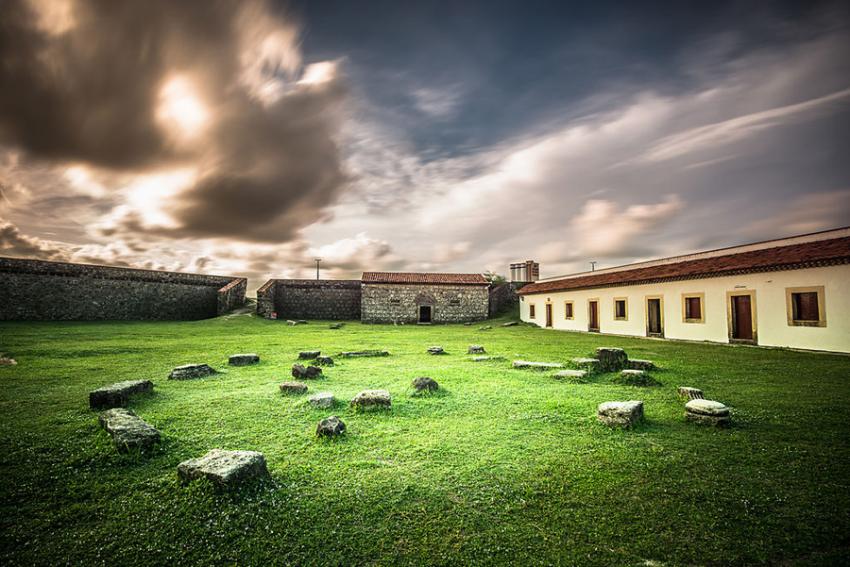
<point>322,400</point>
<point>363,353</point>
<point>640,364</point>
<point>485,328</point>
<point>688,393</point>
<point>707,412</point>
<point>620,414</point>
<point>336,326</point>
<point>129,432</point>
<point>118,395</point>
<point>476,349</point>
<point>510,324</point>
<point>424,384</point>
<point>191,371</point>
<point>227,469</point>
<point>324,361</point>
<point>575,376</point>
<point>243,359</point>
<point>308,373</point>
<point>293,388</point>
<point>436,350</point>
<point>369,400</point>
<point>487,358</point>
<point>6,361</point>
<point>611,359</point>
<point>309,354</point>
<point>330,427</point>
<point>526,364</point>
<point>591,365</point>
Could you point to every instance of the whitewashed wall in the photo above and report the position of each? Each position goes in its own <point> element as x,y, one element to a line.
<point>770,304</point>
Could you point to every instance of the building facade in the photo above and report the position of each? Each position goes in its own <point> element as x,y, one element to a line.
<point>395,297</point>
<point>793,293</point>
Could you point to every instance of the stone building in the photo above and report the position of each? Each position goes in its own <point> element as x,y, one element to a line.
<point>309,299</point>
<point>403,297</point>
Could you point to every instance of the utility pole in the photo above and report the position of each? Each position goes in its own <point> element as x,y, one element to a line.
<point>317,267</point>
<point>593,266</point>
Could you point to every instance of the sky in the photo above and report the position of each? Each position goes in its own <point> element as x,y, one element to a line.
<point>248,138</point>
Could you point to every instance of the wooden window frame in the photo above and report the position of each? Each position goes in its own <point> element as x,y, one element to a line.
<point>532,311</point>
<point>789,306</point>
<point>598,328</point>
<point>753,316</point>
<point>625,301</point>
<point>685,298</point>
<point>572,310</point>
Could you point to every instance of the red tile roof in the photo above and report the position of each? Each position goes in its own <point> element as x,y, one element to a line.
<point>790,257</point>
<point>423,278</point>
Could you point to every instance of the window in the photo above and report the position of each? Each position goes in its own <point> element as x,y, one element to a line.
<point>806,306</point>
<point>693,310</point>
<point>531,311</point>
<point>621,309</point>
<point>568,310</point>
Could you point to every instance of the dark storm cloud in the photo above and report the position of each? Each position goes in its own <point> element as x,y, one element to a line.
<point>90,93</point>
<point>14,243</point>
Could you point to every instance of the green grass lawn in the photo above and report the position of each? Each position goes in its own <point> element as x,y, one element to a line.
<point>504,467</point>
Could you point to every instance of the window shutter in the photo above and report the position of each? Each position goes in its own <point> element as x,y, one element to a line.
<point>694,308</point>
<point>807,306</point>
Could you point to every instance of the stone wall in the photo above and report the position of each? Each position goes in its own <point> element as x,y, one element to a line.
<point>310,299</point>
<point>502,297</point>
<point>37,290</point>
<point>399,303</point>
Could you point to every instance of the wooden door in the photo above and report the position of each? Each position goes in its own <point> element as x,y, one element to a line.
<point>548,314</point>
<point>425,314</point>
<point>593,308</point>
<point>742,318</point>
<point>654,324</point>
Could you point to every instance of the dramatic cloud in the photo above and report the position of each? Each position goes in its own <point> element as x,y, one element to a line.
<point>13,243</point>
<point>161,88</point>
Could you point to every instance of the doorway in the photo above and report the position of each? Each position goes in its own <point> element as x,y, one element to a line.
<point>593,315</point>
<point>548,314</point>
<point>654,317</point>
<point>742,317</point>
<point>424,313</point>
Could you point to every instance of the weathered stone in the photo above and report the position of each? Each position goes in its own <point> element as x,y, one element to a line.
<point>35,290</point>
<point>486,358</point>
<point>707,407</point>
<point>372,400</point>
<point>485,328</point>
<point>6,361</point>
<point>301,322</point>
<point>331,300</point>
<point>225,468</point>
<point>243,359</point>
<point>118,395</point>
<point>424,384</point>
<point>575,376</point>
<point>635,378</point>
<point>640,364</point>
<point>611,359</point>
<point>309,354</point>
<point>324,361</point>
<point>322,400</point>
<point>293,388</point>
<point>402,303</point>
<point>191,371</point>
<point>129,432</point>
<point>476,349</point>
<point>510,324</point>
<point>688,393</point>
<point>336,326</point>
<point>363,353</point>
<point>620,414</point>
<point>308,373</point>
<point>591,365</point>
<point>707,412</point>
<point>330,427</point>
<point>292,322</point>
<point>436,350</point>
<point>536,365</point>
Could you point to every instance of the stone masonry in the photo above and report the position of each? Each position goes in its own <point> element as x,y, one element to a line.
<point>399,303</point>
<point>36,290</point>
<point>310,299</point>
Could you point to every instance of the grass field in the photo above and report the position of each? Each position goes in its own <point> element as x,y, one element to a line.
<point>504,467</point>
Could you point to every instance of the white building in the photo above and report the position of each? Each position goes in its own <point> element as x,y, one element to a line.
<point>793,292</point>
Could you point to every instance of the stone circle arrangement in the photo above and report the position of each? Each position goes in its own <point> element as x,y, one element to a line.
<point>225,468</point>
